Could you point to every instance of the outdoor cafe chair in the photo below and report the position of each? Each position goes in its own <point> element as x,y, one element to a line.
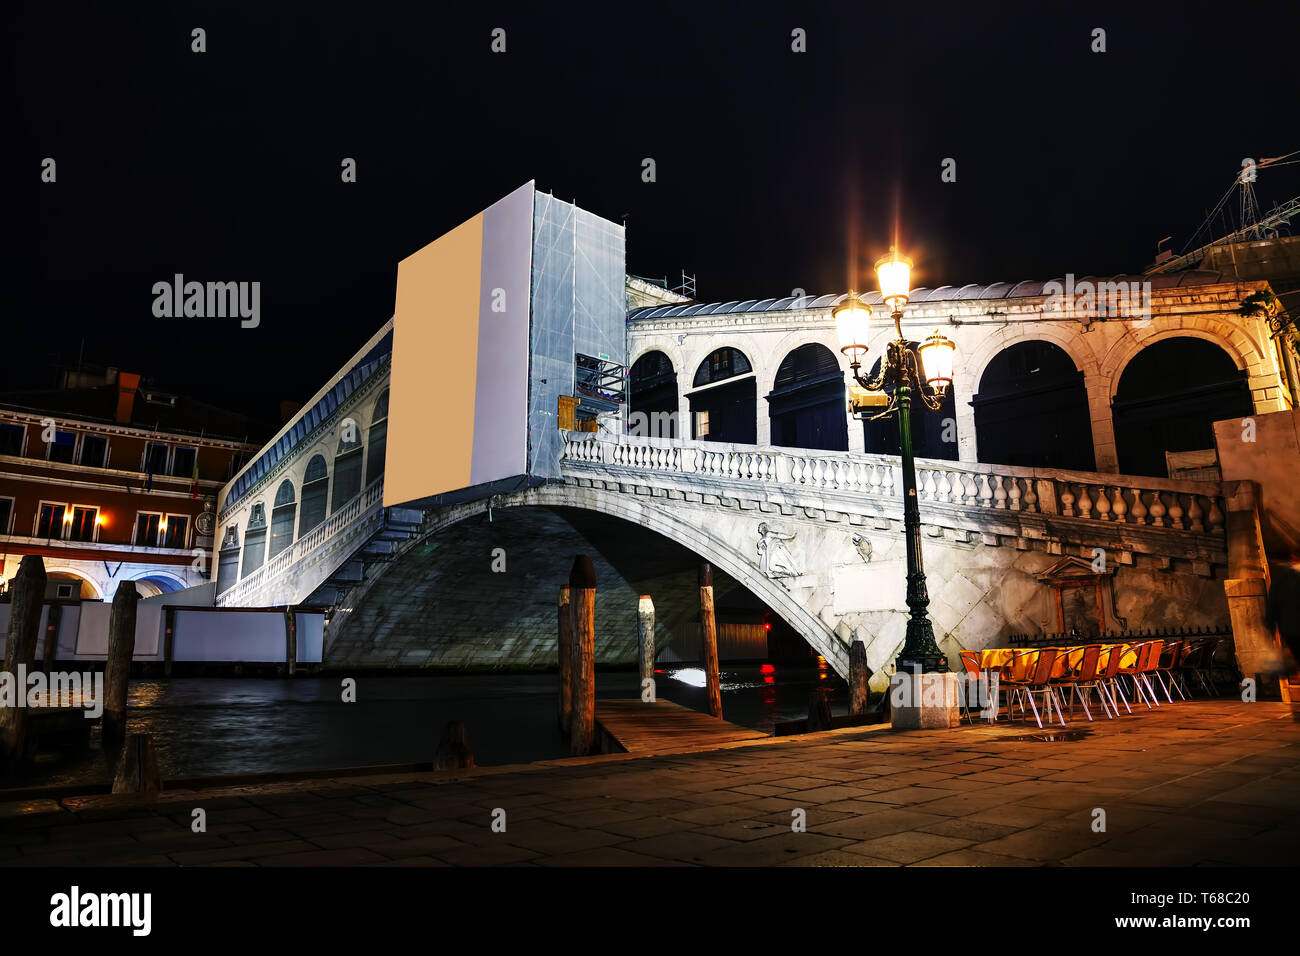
<point>1147,655</point>
<point>1030,673</point>
<point>1083,680</point>
<point>1108,676</point>
<point>991,676</point>
<point>1166,663</point>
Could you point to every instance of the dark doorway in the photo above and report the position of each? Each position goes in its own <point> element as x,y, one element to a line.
<point>1168,399</point>
<point>652,391</point>
<point>725,412</point>
<point>1032,410</point>
<point>807,403</point>
<point>934,434</point>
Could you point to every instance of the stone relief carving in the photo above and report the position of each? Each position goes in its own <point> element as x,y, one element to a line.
<point>863,545</point>
<point>773,556</point>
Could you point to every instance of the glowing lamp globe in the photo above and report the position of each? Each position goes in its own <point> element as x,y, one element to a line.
<point>852,325</point>
<point>895,274</point>
<point>937,353</point>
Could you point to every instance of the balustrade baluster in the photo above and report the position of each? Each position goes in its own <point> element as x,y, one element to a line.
<point>945,487</point>
<point>999,493</point>
<point>1014,500</point>
<point>986,492</point>
<point>927,486</point>
<point>1157,510</point>
<point>1139,510</point>
<point>1118,505</point>
<point>1103,504</point>
<point>1216,516</point>
<point>873,479</point>
<point>1085,503</point>
<point>1067,500</point>
<point>1175,511</point>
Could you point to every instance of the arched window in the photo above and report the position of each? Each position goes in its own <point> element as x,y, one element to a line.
<point>934,434</point>
<point>228,559</point>
<point>724,399</point>
<point>254,540</point>
<point>347,473</point>
<point>1032,410</point>
<point>807,403</point>
<point>282,518</point>
<point>652,393</point>
<point>378,440</point>
<point>315,494</point>
<point>1168,399</point>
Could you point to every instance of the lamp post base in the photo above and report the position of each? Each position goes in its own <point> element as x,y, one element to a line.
<point>919,701</point>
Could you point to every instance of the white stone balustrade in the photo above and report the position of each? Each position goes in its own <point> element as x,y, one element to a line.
<point>1178,505</point>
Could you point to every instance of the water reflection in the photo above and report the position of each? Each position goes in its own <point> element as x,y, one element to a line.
<point>214,726</point>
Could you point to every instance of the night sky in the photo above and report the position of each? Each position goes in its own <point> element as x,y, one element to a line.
<point>775,169</point>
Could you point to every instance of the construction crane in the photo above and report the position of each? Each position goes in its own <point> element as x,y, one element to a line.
<point>1251,225</point>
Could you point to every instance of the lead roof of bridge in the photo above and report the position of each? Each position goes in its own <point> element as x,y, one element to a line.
<point>944,293</point>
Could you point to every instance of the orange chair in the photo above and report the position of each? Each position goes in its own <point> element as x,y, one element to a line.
<point>1030,673</point>
<point>1083,680</point>
<point>1169,660</point>
<point>986,677</point>
<point>1148,655</point>
<point>1108,676</point>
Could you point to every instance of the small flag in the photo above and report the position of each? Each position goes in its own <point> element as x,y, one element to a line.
<point>148,475</point>
<point>194,485</point>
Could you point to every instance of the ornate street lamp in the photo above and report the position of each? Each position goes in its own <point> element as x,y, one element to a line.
<point>904,369</point>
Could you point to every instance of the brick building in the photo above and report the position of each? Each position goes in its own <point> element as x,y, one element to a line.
<point>110,479</point>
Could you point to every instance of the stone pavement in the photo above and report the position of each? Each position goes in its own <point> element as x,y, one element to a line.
<point>1198,782</point>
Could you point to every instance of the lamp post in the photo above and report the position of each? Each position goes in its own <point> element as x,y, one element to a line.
<point>903,368</point>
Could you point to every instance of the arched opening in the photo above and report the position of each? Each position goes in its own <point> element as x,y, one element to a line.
<point>228,560</point>
<point>934,434</point>
<point>282,518</point>
<point>1169,397</point>
<point>378,440</point>
<point>724,399</point>
<point>151,585</point>
<point>254,541</point>
<point>1032,410</point>
<point>807,405</point>
<point>347,472</point>
<point>652,397</point>
<point>315,494</point>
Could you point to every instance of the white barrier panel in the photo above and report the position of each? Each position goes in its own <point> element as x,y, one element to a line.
<point>203,635</point>
<point>92,631</point>
<point>311,637</point>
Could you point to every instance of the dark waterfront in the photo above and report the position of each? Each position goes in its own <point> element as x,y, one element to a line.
<point>216,726</point>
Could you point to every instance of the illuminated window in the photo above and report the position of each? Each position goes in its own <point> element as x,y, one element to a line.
<point>49,520</point>
<point>701,424</point>
<point>147,528</point>
<point>84,523</point>
<point>176,532</point>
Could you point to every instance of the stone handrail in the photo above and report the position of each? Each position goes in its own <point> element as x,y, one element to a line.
<point>359,506</point>
<point>1154,502</point>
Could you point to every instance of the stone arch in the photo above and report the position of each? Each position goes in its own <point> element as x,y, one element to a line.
<point>720,411</point>
<point>315,493</point>
<point>991,346</point>
<point>64,571</point>
<point>663,521</point>
<point>806,401</point>
<point>654,390</point>
<point>1237,345</point>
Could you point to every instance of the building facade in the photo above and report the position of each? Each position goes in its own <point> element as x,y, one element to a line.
<point>109,479</point>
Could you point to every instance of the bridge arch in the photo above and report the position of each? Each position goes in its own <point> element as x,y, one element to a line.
<point>806,400</point>
<point>653,391</point>
<point>722,409</point>
<point>1169,395</point>
<point>315,494</point>
<point>663,521</point>
<point>1238,346</point>
<point>284,514</point>
<point>1032,409</point>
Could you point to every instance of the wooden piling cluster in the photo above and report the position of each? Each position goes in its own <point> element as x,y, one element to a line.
<point>117,669</point>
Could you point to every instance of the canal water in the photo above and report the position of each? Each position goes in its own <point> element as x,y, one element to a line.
<point>215,726</point>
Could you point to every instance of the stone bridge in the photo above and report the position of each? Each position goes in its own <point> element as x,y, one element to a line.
<point>815,536</point>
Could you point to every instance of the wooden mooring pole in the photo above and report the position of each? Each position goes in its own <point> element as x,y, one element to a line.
<point>709,641</point>
<point>859,676</point>
<point>564,649</point>
<point>645,639</point>
<point>290,641</point>
<point>117,669</point>
<point>28,594</point>
<point>582,592</point>
<point>52,619</point>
